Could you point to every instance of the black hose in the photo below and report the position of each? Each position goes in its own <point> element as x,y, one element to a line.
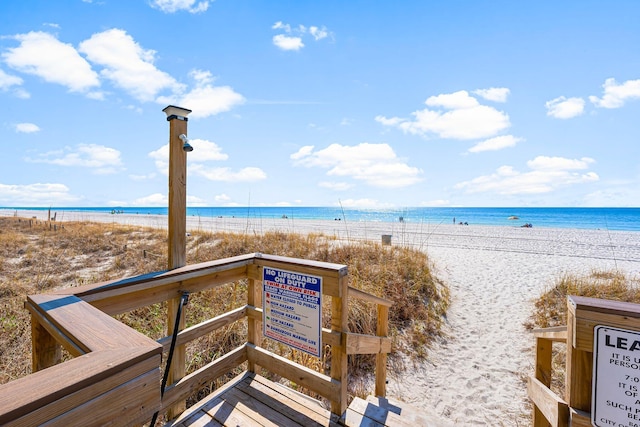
<point>183,301</point>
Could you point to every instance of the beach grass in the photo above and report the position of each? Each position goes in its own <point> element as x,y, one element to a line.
<point>37,256</point>
<point>551,307</point>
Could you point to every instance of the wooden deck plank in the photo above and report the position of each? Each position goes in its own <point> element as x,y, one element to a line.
<point>200,419</point>
<point>227,415</point>
<point>301,414</point>
<point>208,402</point>
<point>252,400</point>
<point>294,395</point>
<point>266,415</point>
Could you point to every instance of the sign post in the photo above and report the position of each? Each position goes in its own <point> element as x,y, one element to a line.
<point>292,309</point>
<point>616,378</point>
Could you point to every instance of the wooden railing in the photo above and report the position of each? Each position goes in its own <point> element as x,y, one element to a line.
<point>549,408</point>
<point>583,315</point>
<point>114,375</point>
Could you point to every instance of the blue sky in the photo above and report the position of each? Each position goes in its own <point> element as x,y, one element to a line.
<point>322,103</point>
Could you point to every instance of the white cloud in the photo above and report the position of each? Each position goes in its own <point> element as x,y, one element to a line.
<point>205,99</point>
<point>318,33</point>
<point>496,143</point>
<point>393,121</point>
<point>172,6</point>
<point>203,150</point>
<point>156,199</point>
<point>248,174</point>
<point>206,151</point>
<point>7,81</point>
<point>336,186</point>
<point>127,64</point>
<point>285,42</point>
<point>375,164</point>
<point>280,26</point>
<point>305,151</point>
<point>100,159</point>
<point>546,175</point>
<point>42,55</point>
<point>195,201</point>
<point>559,163</point>
<point>21,93</point>
<point>292,37</point>
<point>495,94</point>
<point>27,128</point>
<point>615,95</point>
<point>462,118</point>
<point>451,101</point>
<point>222,198</point>
<point>40,194</point>
<point>565,108</point>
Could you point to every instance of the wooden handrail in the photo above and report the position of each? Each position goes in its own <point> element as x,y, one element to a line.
<point>554,333</point>
<point>584,314</point>
<point>553,408</point>
<point>89,379</point>
<point>364,296</point>
<point>110,355</point>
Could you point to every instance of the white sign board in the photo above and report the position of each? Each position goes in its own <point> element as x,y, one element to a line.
<point>615,400</point>
<point>292,309</point>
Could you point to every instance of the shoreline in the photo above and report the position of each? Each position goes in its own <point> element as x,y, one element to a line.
<point>475,375</point>
<point>619,219</point>
<point>610,247</point>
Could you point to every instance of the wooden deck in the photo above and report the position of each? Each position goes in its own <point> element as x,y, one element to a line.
<point>252,400</point>
<point>114,378</point>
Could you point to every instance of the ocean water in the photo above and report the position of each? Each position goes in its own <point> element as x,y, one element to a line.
<point>626,219</point>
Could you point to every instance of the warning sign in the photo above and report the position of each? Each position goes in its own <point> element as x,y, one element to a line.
<point>616,378</point>
<point>292,309</point>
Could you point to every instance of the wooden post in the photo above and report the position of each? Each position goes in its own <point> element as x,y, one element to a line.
<point>177,118</point>
<point>382,330</point>
<point>579,366</point>
<point>339,322</point>
<point>254,335</point>
<point>45,350</point>
<point>543,373</point>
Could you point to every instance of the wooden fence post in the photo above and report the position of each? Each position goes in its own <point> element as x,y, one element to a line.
<point>543,373</point>
<point>382,330</point>
<point>45,350</point>
<point>339,322</point>
<point>254,332</point>
<point>177,118</point>
<point>579,367</point>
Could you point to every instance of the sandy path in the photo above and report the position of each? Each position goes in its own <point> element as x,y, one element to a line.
<point>475,377</point>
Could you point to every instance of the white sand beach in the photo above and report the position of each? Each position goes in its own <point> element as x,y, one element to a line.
<point>476,376</point>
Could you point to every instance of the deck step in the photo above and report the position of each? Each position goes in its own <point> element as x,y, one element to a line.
<point>379,412</point>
